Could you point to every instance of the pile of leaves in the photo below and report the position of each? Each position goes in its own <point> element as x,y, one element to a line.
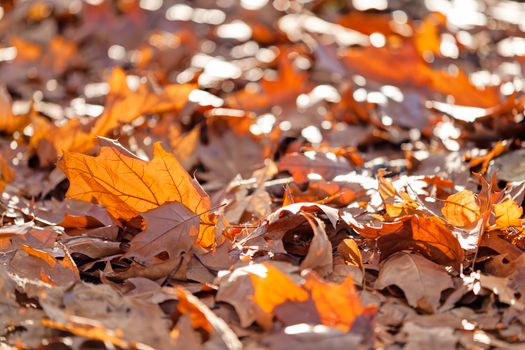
<point>262,174</point>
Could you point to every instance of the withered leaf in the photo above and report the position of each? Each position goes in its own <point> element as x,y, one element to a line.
<point>9,122</point>
<point>255,290</point>
<point>426,235</point>
<point>171,228</point>
<point>319,256</point>
<point>202,317</point>
<point>338,305</point>
<point>421,280</point>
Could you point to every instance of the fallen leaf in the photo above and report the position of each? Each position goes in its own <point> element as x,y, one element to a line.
<point>396,203</point>
<point>421,280</point>
<point>508,214</point>
<point>290,83</point>
<point>500,287</point>
<point>170,228</point>
<point>9,123</point>
<point>338,305</point>
<point>461,208</point>
<point>272,287</point>
<point>127,185</point>
<point>319,256</point>
<point>426,235</point>
<point>350,252</point>
<point>202,317</point>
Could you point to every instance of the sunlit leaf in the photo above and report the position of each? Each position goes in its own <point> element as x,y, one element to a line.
<point>461,208</point>
<point>127,185</point>
<point>508,214</point>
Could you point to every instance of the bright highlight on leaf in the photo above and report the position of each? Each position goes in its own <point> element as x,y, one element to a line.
<point>127,185</point>
<point>274,289</point>
<point>338,305</point>
<point>508,214</point>
<point>461,209</point>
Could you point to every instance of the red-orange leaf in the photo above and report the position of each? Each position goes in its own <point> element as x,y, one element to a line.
<point>426,235</point>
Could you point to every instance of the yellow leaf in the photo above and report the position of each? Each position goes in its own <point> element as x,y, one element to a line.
<point>461,208</point>
<point>127,185</point>
<point>508,214</point>
<point>396,204</point>
<point>350,252</point>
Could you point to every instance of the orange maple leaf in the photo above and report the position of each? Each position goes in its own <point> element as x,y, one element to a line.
<point>127,185</point>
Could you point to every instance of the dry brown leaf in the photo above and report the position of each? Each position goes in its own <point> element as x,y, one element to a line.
<point>500,287</point>
<point>396,203</point>
<point>421,280</point>
<point>319,257</point>
<point>171,228</point>
<point>202,317</point>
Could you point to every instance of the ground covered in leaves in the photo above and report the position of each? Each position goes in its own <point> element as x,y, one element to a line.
<point>262,174</point>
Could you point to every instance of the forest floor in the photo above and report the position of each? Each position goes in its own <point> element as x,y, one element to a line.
<point>262,174</point>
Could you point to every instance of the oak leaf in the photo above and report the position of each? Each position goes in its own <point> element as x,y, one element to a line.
<point>461,208</point>
<point>421,280</point>
<point>127,185</point>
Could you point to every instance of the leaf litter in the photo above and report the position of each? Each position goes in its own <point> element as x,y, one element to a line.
<point>261,174</point>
